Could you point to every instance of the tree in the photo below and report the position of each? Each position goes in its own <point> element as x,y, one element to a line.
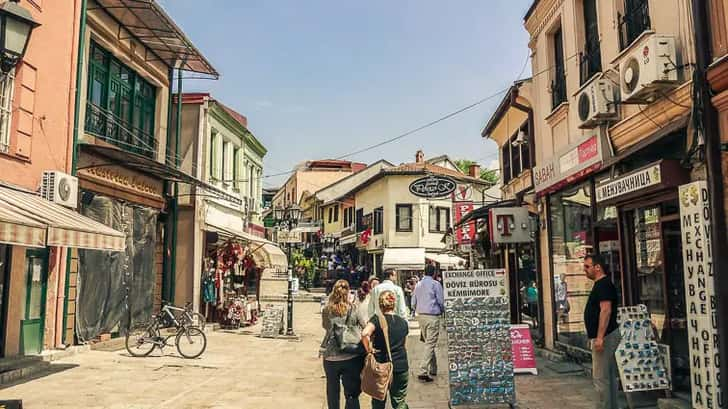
<point>489,175</point>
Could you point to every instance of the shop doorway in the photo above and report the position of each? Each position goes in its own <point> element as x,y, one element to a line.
<point>31,334</point>
<point>4,294</point>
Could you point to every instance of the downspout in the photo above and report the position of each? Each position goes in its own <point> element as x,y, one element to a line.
<point>177,163</point>
<point>713,154</point>
<point>74,148</point>
<point>168,226</point>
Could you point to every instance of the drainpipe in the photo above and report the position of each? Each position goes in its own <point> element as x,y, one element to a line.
<point>175,214</point>
<point>74,148</point>
<point>713,154</point>
<point>168,224</point>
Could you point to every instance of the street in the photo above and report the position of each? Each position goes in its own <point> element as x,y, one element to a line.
<point>241,370</point>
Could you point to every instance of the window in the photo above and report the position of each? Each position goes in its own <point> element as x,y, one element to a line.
<point>378,221</point>
<point>526,150</point>
<point>558,84</point>
<point>404,217</point>
<point>336,213</point>
<point>6,110</point>
<point>252,180</point>
<point>516,157</point>
<point>346,217</point>
<point>506,158</point>
<point>214,161</point>
<point>439,219</point>
<point>331,214</point>
<point>236,168</point>
<point>590,60</point>
<point>360,220</point>
<point>634,22</point>
<point>121,104</point>
<point>226,168</point>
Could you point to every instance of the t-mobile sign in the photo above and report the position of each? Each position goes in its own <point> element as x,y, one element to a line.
<point>700,294</point>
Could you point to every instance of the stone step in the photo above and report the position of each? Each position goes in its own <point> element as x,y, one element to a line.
<point>16,369</point>
<point>673,404</point>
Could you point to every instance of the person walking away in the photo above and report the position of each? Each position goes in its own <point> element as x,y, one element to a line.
<point>409,287</point>
<point>340,367</point>
<point>390,275</point>
<point>600,319</point>
<point>532,298</point>
<point>374,342</point>
<point>362,308</point>
<point>428,303</point>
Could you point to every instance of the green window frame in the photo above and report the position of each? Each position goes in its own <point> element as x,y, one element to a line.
<point>121,104</point>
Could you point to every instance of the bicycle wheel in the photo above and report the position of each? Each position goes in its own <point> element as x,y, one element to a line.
<point>191,342</point>
<point>139,340</point>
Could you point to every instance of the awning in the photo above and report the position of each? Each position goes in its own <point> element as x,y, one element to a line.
<point>482,212</point>
<point>265,252</point>
<point>350,239</point>
<point>119,157</point>
<point>446,260</point>
<point>404,258</point>
<point>37,222</point>
<point>150,25</point>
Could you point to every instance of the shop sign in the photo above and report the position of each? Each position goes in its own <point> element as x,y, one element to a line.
<point>577,160</point>
<point>509,225</point>
<point>630,183</point>
<point>524,354</point>
<point>464,234</point>
<point>292,237</point>
<point>124,180</point>
<point>480,357</point>
<point>432,186</point>
<point>700,295</point>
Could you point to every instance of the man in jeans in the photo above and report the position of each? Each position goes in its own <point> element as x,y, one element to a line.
<point>428,302</point>
<point>600,319</point>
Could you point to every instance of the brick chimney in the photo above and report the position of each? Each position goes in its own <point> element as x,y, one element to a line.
<point>420,156</point>
<point>474,170</point>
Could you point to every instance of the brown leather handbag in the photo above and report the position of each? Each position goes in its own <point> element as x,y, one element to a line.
<point>376,377</point>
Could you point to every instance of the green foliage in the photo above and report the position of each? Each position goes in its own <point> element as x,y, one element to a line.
<point>489,175</point>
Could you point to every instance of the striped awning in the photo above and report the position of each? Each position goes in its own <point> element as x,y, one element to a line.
<point>42,223</point>
<point>266,253</point>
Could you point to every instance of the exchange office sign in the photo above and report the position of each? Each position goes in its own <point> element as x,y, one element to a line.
<point>576,161</point>
<point>630,183</point>
<point>700,296</point>
<point>432,186</point>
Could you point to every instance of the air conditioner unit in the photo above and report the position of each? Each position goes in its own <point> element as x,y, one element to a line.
<point>651,66</point>
<point>60,188</point>
<point>597,103</point>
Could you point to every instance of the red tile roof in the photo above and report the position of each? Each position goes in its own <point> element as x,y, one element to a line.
<point>430,168</point>
<point>240,118</point>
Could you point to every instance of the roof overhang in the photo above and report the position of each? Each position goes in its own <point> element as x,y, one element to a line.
<point>148,23</point>
<point>509,101</point>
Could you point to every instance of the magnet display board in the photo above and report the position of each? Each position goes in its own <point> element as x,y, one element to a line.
<point>478,323</point>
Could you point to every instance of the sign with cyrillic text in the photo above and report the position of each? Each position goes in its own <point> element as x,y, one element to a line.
<point>700,296</point>
<point>629,183</point>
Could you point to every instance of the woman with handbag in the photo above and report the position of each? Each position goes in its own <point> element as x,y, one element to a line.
<point>342,351</point>
<point>386,369</point>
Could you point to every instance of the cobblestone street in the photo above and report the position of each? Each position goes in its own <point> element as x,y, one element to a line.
<point>240,370</point>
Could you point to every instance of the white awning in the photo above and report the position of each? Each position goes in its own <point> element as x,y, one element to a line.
<point>266,253</point>
<point>29,220</point>
<point>446,260</point>
<point>404,258</point>
<point>350,239</point>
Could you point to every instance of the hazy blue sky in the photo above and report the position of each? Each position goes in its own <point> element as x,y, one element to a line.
<point>320,79</point>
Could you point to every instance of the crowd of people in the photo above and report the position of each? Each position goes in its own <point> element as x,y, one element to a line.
<point>365,310</point>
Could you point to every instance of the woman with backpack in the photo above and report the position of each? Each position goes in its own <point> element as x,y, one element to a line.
<point>342,362</point>
<point>389,347</point>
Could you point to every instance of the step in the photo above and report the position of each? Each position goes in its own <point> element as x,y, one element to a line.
<point>15,369</point>
<point>112,345</point>
<point>673,404</point>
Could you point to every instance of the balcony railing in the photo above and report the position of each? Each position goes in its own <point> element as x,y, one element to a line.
<point>633,23</point>
<point>104,124</point>
<point>558,90</point>
<point>590,63</point>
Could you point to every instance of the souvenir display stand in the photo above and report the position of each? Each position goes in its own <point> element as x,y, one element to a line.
<point>640,359</point>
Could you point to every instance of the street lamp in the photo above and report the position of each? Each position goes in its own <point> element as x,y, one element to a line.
<point>287,219</point>
<point>16,24</point>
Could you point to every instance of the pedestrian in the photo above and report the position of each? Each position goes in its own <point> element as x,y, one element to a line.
<point>600,319</point>
<point>374,342</point>
<point>340,367</point>
<point>362,308</point>
<point>532,298</point>
<point>409,287</point>
<point>428,303</point>
<point>390,275</point>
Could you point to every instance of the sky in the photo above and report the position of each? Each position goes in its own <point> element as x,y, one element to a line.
<point>321,79</point>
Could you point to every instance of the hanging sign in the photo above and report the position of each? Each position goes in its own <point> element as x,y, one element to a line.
<point>479,349</point>
<point>465,234</point>
<point>700,295</point>
<point>432,186</point>
<point>524,354</point>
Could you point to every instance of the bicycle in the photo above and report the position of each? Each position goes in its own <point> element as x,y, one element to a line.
<point>195,318</point>
<point>143,338</point>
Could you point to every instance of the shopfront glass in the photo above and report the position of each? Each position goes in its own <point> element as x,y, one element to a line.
<point>571,240</point>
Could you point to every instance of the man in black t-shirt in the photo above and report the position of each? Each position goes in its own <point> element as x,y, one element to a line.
<point>600,319</point>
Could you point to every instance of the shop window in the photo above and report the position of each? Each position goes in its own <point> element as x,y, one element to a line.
<point>439,219</point>
<point>404,217</point>
<point>571,240</point>
<point>378,221</point>
<point>6,109</point>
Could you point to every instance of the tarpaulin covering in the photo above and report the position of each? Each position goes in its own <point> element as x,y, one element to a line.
<point>116,289</point>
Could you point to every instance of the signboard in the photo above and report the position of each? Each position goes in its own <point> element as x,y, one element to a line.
<point>629,183</point>
<point>285,236</point>
<point>509,225</point>
<point>432,186</point>
<point>479,349</point>
<point>577,160</point>
<point>700,295</point>
<point>639,358</point>
<point>463,193</point>
<point>464,234</point>
<point>272,322</point>
<point>524,354</point>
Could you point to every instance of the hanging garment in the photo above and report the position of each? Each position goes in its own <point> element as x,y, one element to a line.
<point>208,291</point>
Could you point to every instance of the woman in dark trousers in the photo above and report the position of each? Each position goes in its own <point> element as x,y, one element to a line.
<point>373,336</point>
<point>340,367</point>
